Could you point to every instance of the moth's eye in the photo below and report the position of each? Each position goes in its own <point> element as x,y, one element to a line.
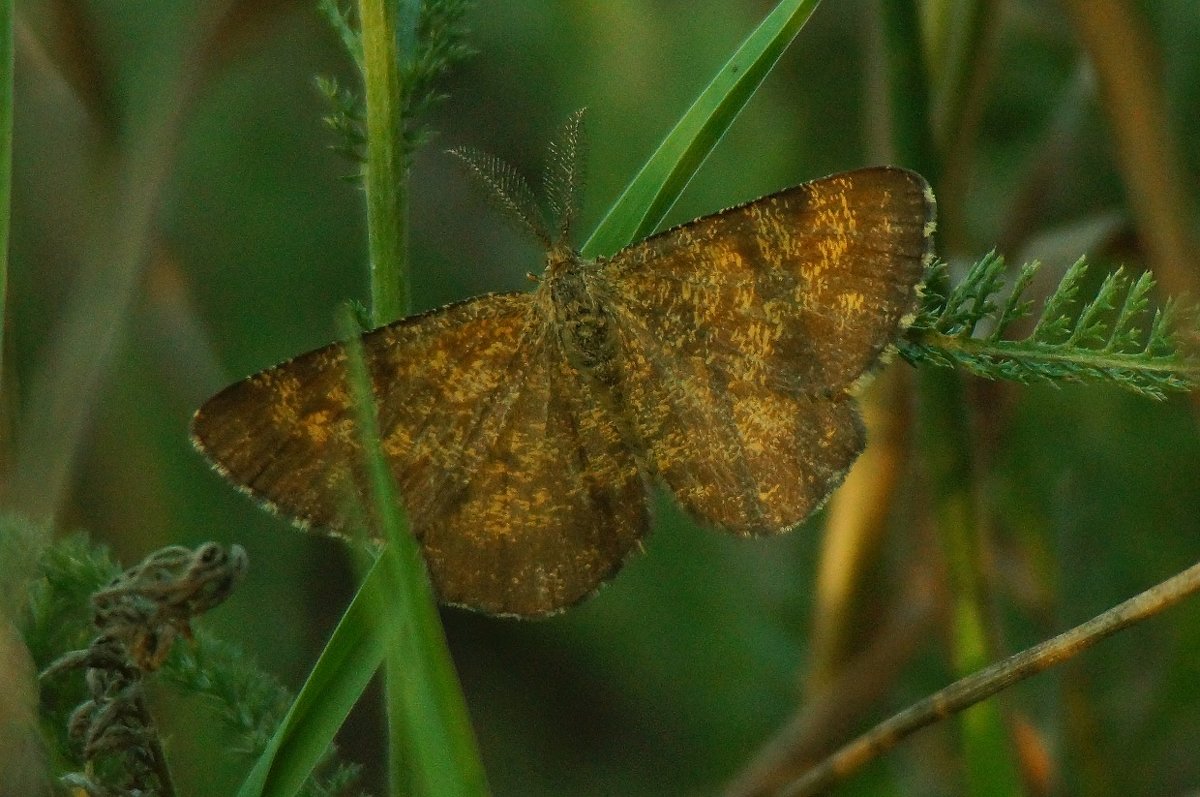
<point>210,553</point>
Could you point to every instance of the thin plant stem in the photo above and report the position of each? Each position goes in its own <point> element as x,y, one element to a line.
<point>431,745</point>
<point>1034,356</point>
<point>987,682</point>
<point>387,200</point>
<point>6,128</point>
<point>908,89</point>
<point>945,434</point>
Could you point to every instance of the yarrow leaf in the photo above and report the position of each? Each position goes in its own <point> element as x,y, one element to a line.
<point>1099,337</point>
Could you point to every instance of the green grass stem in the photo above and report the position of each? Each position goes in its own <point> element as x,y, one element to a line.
<point>386,168</point>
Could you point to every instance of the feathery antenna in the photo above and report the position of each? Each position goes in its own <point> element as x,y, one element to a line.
<point>563,177</point>
<point>506,190</point>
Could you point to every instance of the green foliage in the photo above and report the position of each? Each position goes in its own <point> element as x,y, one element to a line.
<point>342,21</point>
<point>58,614</point>
<point>439,43</point>
<point>58,619</point>
<point>336,682</point>
<point>1108,336</point>
<point>249,703</point>
<point>431,44</point>
<point>346,121</point>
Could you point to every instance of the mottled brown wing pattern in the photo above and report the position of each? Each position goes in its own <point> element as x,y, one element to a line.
<point>800,290</point>
<point>286,435</point>
<point>517,485</point>
<point>736,455</point>
<point>742,334</point>
<point>553,508</point>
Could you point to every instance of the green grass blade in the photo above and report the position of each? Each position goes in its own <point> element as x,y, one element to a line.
<point>433,749</point>
<point>342,672</point>
<point>346,665</point>
<point>652,192</point>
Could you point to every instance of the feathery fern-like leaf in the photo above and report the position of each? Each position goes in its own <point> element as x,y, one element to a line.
<point>346,121</point>
<point>343,23</point>
<point>1096,338</point>
<point>438,41</point>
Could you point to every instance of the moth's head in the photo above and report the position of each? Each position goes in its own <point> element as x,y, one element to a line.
<point>560,259</point>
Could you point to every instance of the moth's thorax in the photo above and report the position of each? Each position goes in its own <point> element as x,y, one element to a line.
<point>579,315</point>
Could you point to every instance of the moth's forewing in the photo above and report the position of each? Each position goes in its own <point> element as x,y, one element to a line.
<point>743,333</point>
<point>522,494</point>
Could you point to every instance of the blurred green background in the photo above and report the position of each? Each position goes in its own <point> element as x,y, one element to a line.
<point>180,221</point>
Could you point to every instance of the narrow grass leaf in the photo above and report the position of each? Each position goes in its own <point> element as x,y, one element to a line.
<point>652,192</point>
<point>342,672</point>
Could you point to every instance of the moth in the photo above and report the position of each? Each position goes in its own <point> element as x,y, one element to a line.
<point>524,431</point>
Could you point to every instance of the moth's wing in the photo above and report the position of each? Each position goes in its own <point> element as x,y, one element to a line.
<point>802,290</point>
<point>551,510</point>
<point>737,454</point>
<point>744,332</point>
<point>287,436</point>
<point>524,499</point>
